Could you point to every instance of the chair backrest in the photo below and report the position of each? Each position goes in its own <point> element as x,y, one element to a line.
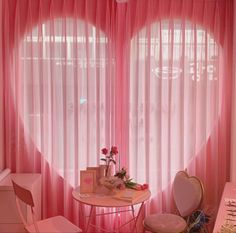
<point>25,196</point>
<point>188,193</point>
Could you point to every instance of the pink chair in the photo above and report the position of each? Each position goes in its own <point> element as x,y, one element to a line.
<point>188,195</point>
<point>53,224</point>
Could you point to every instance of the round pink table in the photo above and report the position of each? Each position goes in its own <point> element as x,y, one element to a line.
<point>110,201</point>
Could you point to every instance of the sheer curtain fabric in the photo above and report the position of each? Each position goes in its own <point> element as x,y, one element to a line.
<point>151,77</point>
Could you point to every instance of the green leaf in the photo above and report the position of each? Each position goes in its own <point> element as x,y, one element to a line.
<point>129,180</point>
<point>103,159</point>
<point>130,185</point>
<point>113,161</point>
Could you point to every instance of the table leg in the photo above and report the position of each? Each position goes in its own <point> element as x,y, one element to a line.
<point>89,219</point>
<point>136,218</point>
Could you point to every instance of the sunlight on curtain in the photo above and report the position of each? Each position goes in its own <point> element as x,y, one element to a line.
<point>174,96</point>
<point>65,81</point>
<point>152,77</point>
<point>179,95</point>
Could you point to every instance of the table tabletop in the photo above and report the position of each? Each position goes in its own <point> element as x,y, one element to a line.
<point>100,200</point>
<point>229,194</point>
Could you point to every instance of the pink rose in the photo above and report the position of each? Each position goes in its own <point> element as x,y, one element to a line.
<point>114,150</point>
<point>144,186</point>
<point>104,151</point>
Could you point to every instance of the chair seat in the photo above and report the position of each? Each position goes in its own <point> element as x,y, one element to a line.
<point>165,223</point>
<point>54,224</point>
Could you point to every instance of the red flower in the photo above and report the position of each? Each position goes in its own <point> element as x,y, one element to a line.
<point>144,186</point>
<point>114,150</point>
<point>109,158</point>
<point>104,151</point>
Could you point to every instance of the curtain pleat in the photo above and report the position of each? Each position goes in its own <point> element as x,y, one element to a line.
<point>151,77</point>
<point>186,87</point>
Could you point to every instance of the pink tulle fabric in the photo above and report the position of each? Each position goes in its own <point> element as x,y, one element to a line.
<point>152,77</point>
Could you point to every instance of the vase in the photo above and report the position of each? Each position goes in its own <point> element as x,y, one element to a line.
<point>105,170</point>
<point>108,171</point>
<point>102,169</point>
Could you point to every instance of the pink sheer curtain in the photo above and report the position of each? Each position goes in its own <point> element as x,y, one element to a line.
<point>152,77</point>
<point>2,159</point>
<point>60,74</point>
<point>233,126</point>
<point>180,94</point>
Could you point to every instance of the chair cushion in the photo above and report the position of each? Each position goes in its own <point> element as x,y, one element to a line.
<point>165,223</point>
<point>54,224</point>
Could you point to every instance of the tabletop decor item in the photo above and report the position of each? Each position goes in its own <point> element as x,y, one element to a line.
<point>124,176</point>
<point>97,173</point>
<point>127,181</point>
<point>112,182</point>
<point>87,181</point>
<point>129,195</point>
<point>109,158</point>
<point>121,179</point>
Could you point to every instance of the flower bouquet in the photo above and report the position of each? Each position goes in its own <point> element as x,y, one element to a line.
<point>112,182</point>
<point>127,181</point>
<point>121,179</point>
<point>109,158</point>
